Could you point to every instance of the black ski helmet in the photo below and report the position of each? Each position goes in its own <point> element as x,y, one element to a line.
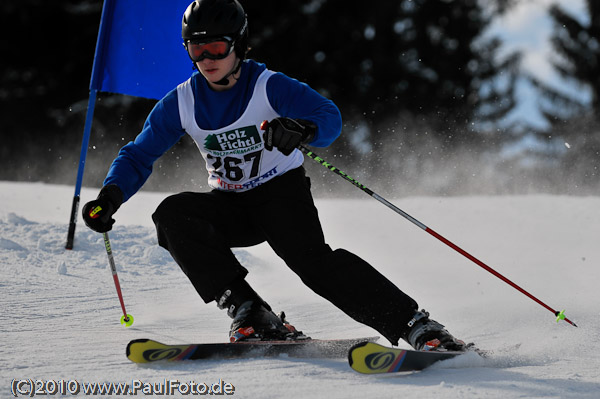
<point>209,19</point>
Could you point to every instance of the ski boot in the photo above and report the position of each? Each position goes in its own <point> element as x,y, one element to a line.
<point>256,321</point>
<point>425,334</point>
<point>253,318</point>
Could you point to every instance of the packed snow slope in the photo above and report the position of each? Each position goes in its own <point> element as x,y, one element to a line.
<point>60,313</point>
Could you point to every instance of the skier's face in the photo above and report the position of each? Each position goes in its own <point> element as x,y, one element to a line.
<point>215,70</point>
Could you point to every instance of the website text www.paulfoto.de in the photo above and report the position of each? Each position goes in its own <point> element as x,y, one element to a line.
<point>31,388</point>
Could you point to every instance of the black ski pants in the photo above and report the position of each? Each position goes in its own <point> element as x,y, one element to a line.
<point>199,230</point>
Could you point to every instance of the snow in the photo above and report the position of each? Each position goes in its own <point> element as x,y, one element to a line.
<point>60,313</point>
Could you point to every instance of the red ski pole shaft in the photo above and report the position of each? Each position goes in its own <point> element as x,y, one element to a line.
<point>399,211</point>
<point>126,319</point>
<point>494,272</point>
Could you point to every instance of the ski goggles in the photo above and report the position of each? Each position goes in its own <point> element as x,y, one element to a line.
<point>215,50</point>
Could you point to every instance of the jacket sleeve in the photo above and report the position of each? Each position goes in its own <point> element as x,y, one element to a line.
<point>297,100</point>
<point>162,129</point>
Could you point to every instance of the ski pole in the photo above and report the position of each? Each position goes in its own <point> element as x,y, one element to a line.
<point>126,319</point>
<point>560,315</point>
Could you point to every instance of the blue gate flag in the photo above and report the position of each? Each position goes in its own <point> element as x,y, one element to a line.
<point>139,50</point>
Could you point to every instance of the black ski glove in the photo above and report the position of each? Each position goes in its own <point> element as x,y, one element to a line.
<point>97,214</point>
<point>286,134</point>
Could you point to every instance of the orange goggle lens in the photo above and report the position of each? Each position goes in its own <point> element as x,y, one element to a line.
<point>216,50</point>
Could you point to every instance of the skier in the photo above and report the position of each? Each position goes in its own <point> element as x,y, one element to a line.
<point>259,188</point>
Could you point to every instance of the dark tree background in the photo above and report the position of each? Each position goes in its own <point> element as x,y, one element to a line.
<point>575,116</point>
<point>420,85</point>
<point>379,59</point>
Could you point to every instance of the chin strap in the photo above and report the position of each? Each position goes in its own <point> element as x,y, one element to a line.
<point>225,80</point>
